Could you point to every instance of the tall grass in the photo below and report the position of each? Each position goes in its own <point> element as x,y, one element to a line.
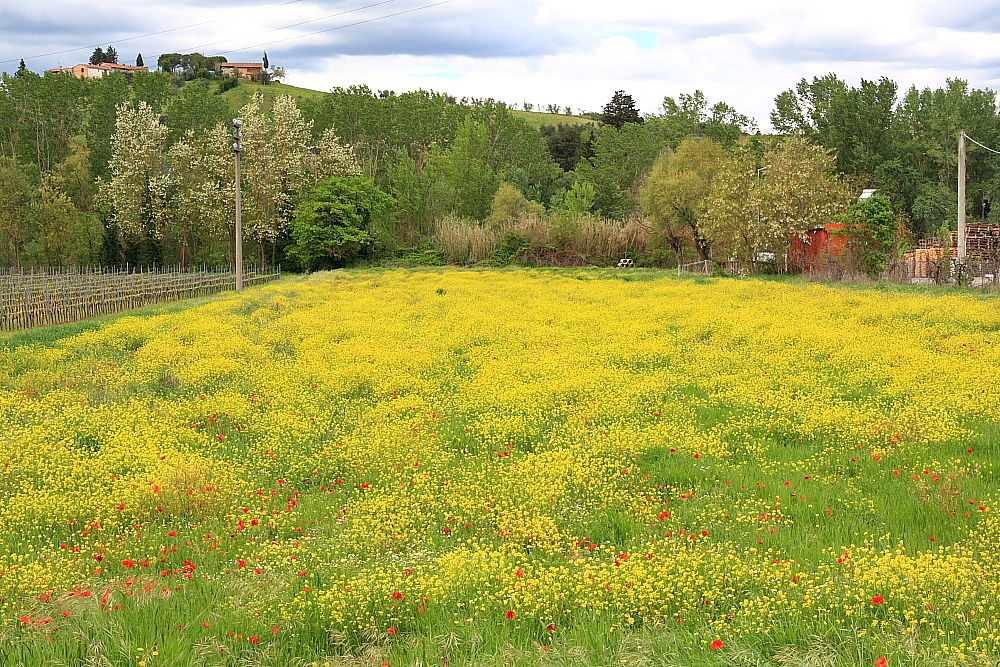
<point>551,240</point>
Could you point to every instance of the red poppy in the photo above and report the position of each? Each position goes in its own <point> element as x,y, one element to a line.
<point>716,645</point>
<point>878,599</point>
<point>128,563</point>
<point>391,631</point>
<point>205,624</point>
<point>274,630</point>
<point>550,627</point>
<point>880,662</point>
<point>509,614</point>
<point>254,640</point>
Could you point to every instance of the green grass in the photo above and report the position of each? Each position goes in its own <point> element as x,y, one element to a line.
<point>537,118</point>
<point>242,93</point>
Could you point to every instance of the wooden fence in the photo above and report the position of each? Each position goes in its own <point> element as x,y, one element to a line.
<point>37,297</point>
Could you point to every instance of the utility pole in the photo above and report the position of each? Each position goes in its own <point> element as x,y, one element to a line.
<point>961,197</point>
<point>237,150</point>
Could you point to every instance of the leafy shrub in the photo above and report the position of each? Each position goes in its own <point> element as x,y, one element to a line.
<point>334,222</point>
<point>512,245</point>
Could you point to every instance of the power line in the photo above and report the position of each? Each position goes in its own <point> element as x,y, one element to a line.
<point>340,27</point>
<point>982,146</point>
<point>153,34</point>
<point>293,25</point>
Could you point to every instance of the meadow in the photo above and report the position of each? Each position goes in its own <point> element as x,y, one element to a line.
<point>521,467</point>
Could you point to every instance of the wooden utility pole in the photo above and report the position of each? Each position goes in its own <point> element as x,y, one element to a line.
<point>237,150</point>
<point>961,196</point>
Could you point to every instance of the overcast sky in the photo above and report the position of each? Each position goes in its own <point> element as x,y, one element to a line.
<point>568,52</point>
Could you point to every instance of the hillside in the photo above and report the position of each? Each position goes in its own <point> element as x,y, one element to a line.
<point>537,119</point>
<point>241,95</point>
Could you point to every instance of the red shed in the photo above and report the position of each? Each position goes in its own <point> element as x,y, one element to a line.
<point>817,251</point>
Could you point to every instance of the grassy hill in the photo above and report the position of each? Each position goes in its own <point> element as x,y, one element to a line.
<point>537,119</point>
<point>241,95</point>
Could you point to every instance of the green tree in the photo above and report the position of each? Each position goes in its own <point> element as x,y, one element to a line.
<point>565,142</point>
<point>62,235</point>
<point>691,116</point>
<point>622,159</point>
<point>760,199</point>
<point>17,197</point>
<point>336,221</point>
<point>871,229</point>
<point>620,110</point>
<point>195,108</point>
<point>579,199</point>
<point>106,95</point>
<point>676,191</point>
<point>153,88</point>
<point>135,190</point>
<point>39,115</point>
<point>466,173</point>
<point>97,57</point>
<point>138,61</point>
<point>22,69</point>
<point>510,206</point>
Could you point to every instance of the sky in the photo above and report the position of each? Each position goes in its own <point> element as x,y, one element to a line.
<point>571,53</point>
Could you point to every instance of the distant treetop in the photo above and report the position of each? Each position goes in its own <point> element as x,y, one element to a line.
<point>620,110</point>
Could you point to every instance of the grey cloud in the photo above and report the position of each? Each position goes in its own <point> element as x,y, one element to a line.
<point>496,30</point>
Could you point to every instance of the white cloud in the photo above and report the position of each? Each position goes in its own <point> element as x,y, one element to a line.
<point>567,52</point>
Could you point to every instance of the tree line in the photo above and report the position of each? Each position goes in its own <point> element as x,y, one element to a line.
<point>138,169</point>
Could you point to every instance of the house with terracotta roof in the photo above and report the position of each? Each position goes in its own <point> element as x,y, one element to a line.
<point>87,71</point>
<point>248,70</point>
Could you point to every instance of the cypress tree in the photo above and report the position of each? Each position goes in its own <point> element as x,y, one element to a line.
<point>138,61</point>
<point>21,69</point>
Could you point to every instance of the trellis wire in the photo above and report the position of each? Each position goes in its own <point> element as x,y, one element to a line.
<point>42,296</point>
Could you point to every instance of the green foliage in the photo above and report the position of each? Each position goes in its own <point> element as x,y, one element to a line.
<point>935,206</point>
<point>226,84</point>
<point>153,88</point>
<point>622,158</point>
<point>620,110</point>
<point>39,115</point>
<point>106,94</point>
<point>579,199</point>
<point>565,142</point>
<point>908,147</point>
<point>690,116</point>
<point>512,245</point>
<point>675,194</point>
<point>871,231</point>
<point>336,220</point>
<point>510,206</point>
<point>423,255</point>
<point>196,108</point>
<point>187,65</point>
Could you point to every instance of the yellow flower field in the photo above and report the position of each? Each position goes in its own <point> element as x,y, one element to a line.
<point>524,467</point>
